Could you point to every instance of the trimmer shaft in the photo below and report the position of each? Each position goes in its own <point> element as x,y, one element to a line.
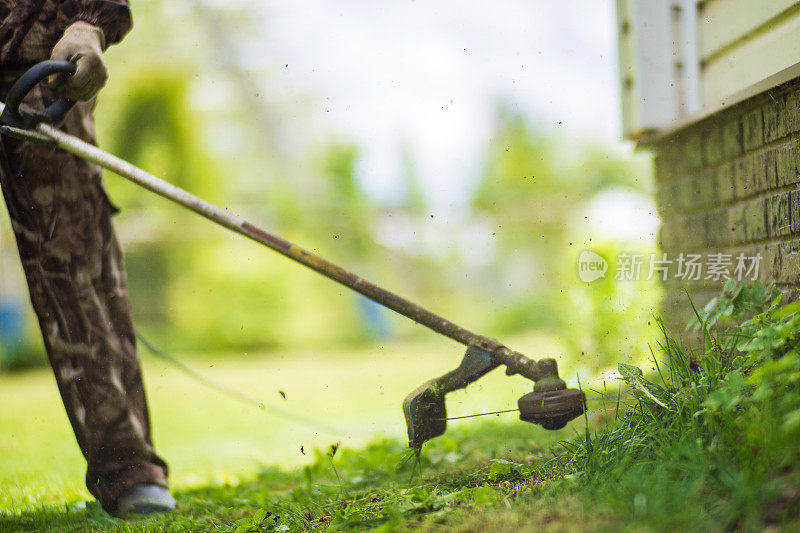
<point>551,404</point>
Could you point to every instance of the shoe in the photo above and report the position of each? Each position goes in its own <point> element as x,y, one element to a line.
<point>144,498</point>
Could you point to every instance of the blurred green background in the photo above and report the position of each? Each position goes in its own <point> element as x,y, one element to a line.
<point>506,264</point>
<point>503,263</point>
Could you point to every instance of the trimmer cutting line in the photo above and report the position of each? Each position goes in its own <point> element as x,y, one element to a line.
<point>550,405</point>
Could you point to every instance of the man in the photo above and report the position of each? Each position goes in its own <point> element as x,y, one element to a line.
<point>61,218</point>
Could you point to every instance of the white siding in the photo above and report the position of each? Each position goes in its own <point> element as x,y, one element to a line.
<point>744,42</point>
<point>722,22</point>
<point>682,59</point>
<point>645,60</point>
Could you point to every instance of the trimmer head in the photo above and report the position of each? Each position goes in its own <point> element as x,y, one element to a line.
<point>552,409</point>
<point>550,405</point>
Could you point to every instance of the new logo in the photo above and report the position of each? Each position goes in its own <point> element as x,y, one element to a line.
<point>591,266</point>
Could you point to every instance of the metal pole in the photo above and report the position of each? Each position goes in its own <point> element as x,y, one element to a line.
<point>47,134</point>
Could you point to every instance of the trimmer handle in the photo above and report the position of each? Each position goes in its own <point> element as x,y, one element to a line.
<point>18,114</point>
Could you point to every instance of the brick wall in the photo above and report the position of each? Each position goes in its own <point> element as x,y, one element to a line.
<point>730,184</point>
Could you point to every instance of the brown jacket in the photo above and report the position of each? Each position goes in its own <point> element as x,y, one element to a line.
<point>30,28</point>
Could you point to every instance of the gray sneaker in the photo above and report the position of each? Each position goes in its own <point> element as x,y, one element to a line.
<point>144,498</point>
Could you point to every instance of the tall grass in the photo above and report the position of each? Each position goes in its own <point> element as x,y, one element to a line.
<point>711,436</point>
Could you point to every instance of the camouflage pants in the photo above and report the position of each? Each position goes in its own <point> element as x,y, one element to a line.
<point>74,267</point>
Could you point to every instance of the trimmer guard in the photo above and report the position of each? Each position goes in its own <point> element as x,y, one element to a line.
<point>424,409</point>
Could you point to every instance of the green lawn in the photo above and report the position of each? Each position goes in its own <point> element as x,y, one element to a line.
<point>698,443</point>
<point>208,438</point>
<point>474,478</point>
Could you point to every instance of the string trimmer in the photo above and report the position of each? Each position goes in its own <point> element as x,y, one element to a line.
<point>551,404</point>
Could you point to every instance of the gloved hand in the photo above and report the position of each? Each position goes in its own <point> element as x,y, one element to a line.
<point>83,44</point>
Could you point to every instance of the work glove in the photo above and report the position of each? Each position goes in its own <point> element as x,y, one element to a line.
<point>82,44</point>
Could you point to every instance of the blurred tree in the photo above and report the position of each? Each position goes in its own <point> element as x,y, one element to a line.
<point>180,104</point>
<point>339,205</point>
<point>533,190</point>
<point>414,200</point>
<point>154,127</point>
<point>530,203</point>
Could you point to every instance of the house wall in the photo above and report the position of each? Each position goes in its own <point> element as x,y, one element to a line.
<point>730,184</point>
<point>684,59</point>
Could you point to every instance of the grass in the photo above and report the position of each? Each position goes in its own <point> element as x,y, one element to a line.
<point>707,441</point>
<point>484,466</point>
<point>212,440</point>
<point>710,441</point>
